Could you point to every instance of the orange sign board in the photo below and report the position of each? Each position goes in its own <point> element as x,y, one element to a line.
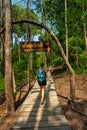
<point>35,46</point>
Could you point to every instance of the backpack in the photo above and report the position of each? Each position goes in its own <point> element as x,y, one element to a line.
<point>41,75</point>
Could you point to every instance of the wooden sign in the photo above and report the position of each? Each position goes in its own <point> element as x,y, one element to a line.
<point>35,46</point>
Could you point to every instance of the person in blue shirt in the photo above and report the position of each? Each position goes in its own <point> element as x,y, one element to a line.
<point>41,77</point>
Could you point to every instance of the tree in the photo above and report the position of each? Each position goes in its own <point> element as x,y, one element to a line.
<point>8,59</point>
<point>72,73</point>
<point>1,26</point>
<point>85,29</point>
<point>66,26</point>
<point>43,19</point>
<point>29,38</point>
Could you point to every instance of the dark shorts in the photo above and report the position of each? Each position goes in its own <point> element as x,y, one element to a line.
<point>42,83</point>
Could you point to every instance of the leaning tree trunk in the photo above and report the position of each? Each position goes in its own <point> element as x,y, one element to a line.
<point>8,59</point>
<point>72,73</point>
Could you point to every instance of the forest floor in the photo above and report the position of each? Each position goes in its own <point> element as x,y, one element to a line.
<point>76,116</point>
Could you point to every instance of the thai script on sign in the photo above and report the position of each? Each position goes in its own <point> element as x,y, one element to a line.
<point>35,46</point>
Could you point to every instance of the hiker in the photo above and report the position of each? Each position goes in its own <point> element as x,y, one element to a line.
<point>41,77</point>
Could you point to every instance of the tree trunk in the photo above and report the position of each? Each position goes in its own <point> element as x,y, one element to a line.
<point>85,30</point>
<point>29,38</point>
<point>1,26</point>
<point>19,52</point>
<point>77,62</point>
<point>85,35</point>
<point>1,47</point>
<point>8,59</point>
<point>42,4</point>
<point>66,28</point>
<point>14,83</point>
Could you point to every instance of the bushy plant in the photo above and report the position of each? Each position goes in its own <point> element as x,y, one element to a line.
<point>58,61</point>
<point>83,60</point>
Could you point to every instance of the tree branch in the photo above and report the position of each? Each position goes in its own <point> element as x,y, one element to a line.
<point>72,107</point>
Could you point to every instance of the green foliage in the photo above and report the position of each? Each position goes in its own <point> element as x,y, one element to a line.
<point>33,73</point>
<point>79,1</point>
<point>75,49</point>
<point>15,92</point>
<point>1,78</point>
<point>54,14</point>
<point>20,70</point>
<point>83,60</point>
<point>2,88</point>
<point>49,59</point>
<point>20,65</point>
<point>80,70</point>
<point>19,13</point>
<point>15,53</point>
<point>57,61</point>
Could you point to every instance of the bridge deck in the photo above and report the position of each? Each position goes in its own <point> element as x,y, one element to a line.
<point>34,116</point>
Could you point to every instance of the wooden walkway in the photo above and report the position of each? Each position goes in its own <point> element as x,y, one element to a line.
<point>34,116</point>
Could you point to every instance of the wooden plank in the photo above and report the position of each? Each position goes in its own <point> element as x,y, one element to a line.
<point>47,101</point>
<point>33,113</point>
<point>46,98</point>
<point>41,119</point>
<point>29,108</point>
<point>64,127</point>
<point>44,128</point>
<point>56,103</point>
<point>40,124</point>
